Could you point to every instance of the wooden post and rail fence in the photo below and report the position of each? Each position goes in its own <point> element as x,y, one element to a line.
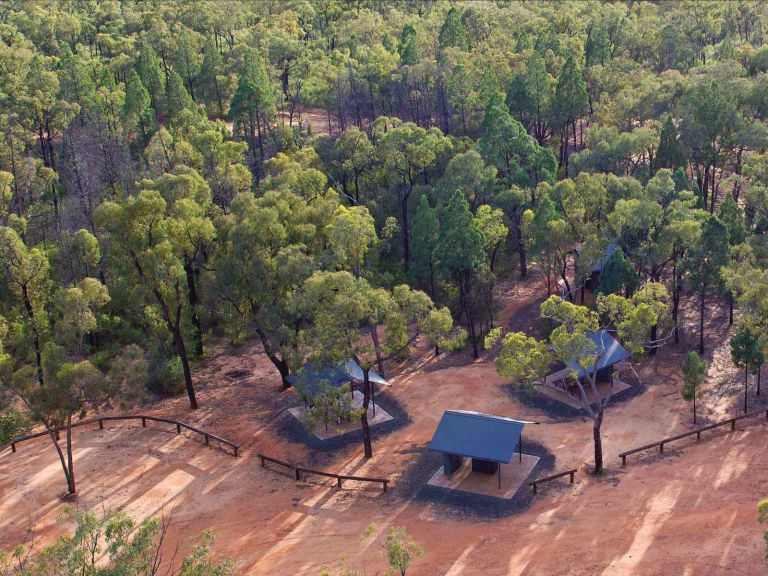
<point>695,432</point>
<point>299,470</point>
<point>535,483</point>
<point>207,436</point>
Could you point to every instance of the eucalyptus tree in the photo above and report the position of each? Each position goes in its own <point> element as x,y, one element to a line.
<point>526,360</point>
<point>408,152</point>
<point>570,103</point>
<point>703,263</point>
<point>747,352</point>
<point>27,289</point>
<point>461,257</point>
<point>338,307</point>
<point>253,105</point>
<point>146,241</point>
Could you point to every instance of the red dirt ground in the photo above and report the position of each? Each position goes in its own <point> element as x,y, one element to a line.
<point>690,512</point>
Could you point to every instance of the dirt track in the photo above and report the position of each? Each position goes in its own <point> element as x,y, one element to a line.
<point>690,512</point>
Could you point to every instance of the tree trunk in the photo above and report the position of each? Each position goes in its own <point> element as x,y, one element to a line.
<point>181,351</point>
<point>377,350</point>
<point>406,233</point>
<point>521,254</point>
<point>730,309</point>
<point>469,317</point>
<point>654,334</point>
<point>368,446</point>
<point>279,363</point>
<point>746,386</point>
<point>54,439</point>
<point>695,392</point>
<point>701,321</point>
<point>193,304</point>
<point>36,339</point>
<point>494,253</point>
<point>597,422</point>
<point>676,307</point>
<point>70,463</point>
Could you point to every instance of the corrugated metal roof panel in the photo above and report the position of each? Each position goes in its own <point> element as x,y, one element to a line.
<point>477,435</point>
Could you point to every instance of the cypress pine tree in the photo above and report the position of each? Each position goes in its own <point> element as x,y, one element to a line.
<point>461,256</point>
<point>425,229</point>
<point>670,153</point>
<point>151,75</point>
<point>178,98</point>
<point>452,31</point>
<point>617,275</point>
<point>208,79</point>
<point>137,107</point>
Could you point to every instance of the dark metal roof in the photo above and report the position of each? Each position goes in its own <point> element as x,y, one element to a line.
<point>310,376</point>
<point>607,253</point>
<point>611,352</point>
<point>477,435</point>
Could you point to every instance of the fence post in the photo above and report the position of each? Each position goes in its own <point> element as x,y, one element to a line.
<point>236,449</point>
<point>535,487</point>
<point>13,447</point>
<point>698,435</point>
<point>101,424</point>
<point>298,474</point>
<point>338,482</point>
<point>263,463</point>
<point>385,485</point>
<point>207,441</point>
<point>178,428</point>
<point>733,424</point>
<point>143,422</point>
<point>661,448</point>
<point>572,474</point>
<point>623,459</point>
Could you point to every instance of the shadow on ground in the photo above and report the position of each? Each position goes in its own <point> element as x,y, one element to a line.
<point>456,505</point>
<point>323,451</point>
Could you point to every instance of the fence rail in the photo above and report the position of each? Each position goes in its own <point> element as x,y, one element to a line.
<point>299,470</point>
<point>207,436</point>
<point>535,484</point>
<point>695,432</point>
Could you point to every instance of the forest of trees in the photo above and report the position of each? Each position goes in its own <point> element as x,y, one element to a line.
<point>161,185</point>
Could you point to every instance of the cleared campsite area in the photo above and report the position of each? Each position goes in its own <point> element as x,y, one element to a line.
<point>694,507</point>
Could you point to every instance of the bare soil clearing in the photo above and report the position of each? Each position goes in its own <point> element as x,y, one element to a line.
<point>689,512</point>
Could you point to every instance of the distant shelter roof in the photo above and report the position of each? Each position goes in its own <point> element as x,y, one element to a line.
<point>312,374</point>
<point>610,351</point>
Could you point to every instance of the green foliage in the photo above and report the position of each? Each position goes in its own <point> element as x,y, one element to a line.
<point>401,549</point>
<point>112,544</point>
<point>762,518</point>
<point>670,153</point>
<point>438,327</point>
<point>617,275</point>
<point>632,317</point>
<point>747,349</point>
<point>694,371</point>
<point>329,405</point>
<point>571,100</point>
<point>522,359</point>
<point>452,31</point>
<point>13,423</point>
<point>461,245</point>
